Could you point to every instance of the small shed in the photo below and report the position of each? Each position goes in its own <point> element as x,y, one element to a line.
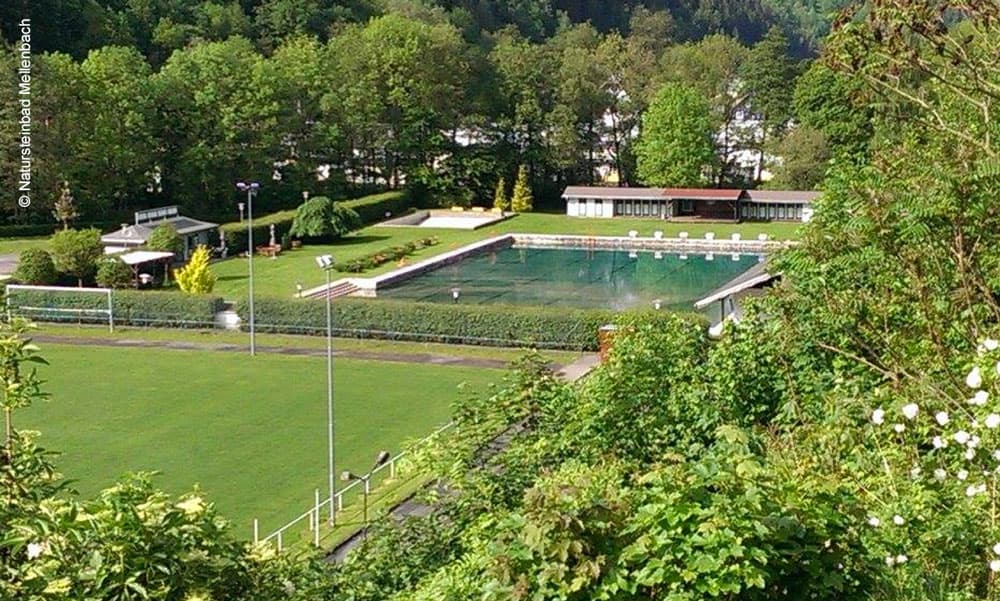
<point>751,282</point>
<point>193,232</point>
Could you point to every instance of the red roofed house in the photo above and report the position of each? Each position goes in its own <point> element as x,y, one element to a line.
<point>694,204</point>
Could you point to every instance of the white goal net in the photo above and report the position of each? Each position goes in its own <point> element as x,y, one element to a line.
<point>57,303</point>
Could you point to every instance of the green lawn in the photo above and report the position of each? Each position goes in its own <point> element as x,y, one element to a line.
<point>14,246</point>
<point>279,276</point>
<point>250,432</point>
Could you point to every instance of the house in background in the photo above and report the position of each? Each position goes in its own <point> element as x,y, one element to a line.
<point>193,232</point>
<point>689,204</point>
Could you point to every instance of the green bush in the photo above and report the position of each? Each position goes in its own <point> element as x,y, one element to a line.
<point>380,257</point>
<point>131,307</point>
<point>372,209</point>
<point>36,267</point>
<point>47,229</point>
<point>112,272</point>
<point>487,325</point>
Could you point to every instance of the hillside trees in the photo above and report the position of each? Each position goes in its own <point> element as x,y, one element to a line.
<point>675,149</point>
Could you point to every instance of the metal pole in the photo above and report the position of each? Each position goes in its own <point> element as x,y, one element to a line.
<point>253,346</point>
<point>256,531</point>
<point>316,520</point>
<point>365,531</point>
<point>329,396</point>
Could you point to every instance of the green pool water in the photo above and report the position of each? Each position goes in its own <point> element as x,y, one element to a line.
<point>576,278</point>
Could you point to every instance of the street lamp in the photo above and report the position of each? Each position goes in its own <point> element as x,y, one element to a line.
<point>325,262</point>
<point>251,190</point>
<point>347,476</point>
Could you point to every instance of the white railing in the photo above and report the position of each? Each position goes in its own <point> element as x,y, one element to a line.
<point>314,514</point>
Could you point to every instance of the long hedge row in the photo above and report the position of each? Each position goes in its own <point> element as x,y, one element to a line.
<point>371,209</point>
<point>487,325</point>
<point>47,229</point>
<point>130,307</point>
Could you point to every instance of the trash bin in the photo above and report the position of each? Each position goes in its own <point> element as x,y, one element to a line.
<point>605,338</point>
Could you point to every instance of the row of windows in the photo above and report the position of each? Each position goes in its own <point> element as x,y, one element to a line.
<point>772,211</point>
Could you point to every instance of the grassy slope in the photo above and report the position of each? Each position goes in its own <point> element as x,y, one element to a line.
<point>251,433</point>
<point>279,276</point>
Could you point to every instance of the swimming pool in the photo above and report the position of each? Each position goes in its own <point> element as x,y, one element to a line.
<point>562,277</point>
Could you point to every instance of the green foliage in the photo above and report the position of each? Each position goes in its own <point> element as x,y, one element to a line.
<point>385,255</point>
<point>35,267</point>
<point>500,200</point>
<point>196,277</point>
<point>131,307</point>
<point>112,272</point>
<point>521,200</point>
<point>675,148</point>
<point>474,324</point>
<point>320,217</point>
<point>64,209</point>
<point>165,238</point>
<point>804,156</point>
<point>75,252</point>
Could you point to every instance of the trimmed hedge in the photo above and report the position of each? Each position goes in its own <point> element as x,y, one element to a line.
<point>486,325</point>
<point>371,209</point>
<point>47,229</point>
<point>130,307</point>
<point>383,256</point>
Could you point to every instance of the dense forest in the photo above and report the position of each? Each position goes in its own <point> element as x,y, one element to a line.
<point>170,102</point>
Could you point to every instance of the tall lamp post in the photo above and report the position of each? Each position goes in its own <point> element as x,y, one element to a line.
<point>380,460</point>
<point>251,190</point>
<point>325,263</point>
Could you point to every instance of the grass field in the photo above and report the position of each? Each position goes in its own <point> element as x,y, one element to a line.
<point>250,432</point>
<point>279,276</point>
<point>14,246</point>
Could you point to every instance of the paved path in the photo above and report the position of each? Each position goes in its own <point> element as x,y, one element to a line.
<point>422,358</point>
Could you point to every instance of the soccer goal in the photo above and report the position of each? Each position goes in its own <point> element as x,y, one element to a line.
<point>61,304</point>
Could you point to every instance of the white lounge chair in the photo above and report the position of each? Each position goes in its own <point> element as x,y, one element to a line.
<point>683,235</point>
<point>735,237</point>
<point>632,233</point>
<point>762,237</point>
<point>709,235</point>
<point>658,235</point>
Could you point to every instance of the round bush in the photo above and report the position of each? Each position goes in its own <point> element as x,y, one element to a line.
<point>113,273</point>
<point>36,267</point>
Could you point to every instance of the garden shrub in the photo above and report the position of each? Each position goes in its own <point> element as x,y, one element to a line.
<point>35,267</point>
<point>112,272</point>
<point>196,277</point>
<point>131,307</point>
<point>488,325</point>
<point>385,255</point>
<point>166,239</point>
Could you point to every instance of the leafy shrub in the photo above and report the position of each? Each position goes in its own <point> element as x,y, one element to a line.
<point>488,325</point>
<point>112,272</point>
<point>320,217</point>
<point>75,252</point>
<point>131,307</point>
<point>36,267</point>
<point>196,277</point>
<point>165,238</point>
<point>385,255</point>
<point>47,229</point>
<point>372,209</point>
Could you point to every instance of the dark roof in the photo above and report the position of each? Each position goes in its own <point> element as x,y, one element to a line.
<point>751,278</point>
<point>612,193</point>
<point>129,234</point>
<point>702,193</point>
<point>186,225</point>
<point>782,196</point>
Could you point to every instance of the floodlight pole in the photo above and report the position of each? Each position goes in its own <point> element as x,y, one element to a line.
<point>329,394</point>
<point>251,190</point>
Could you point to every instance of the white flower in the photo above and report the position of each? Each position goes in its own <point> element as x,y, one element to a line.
<point>998,367</point>
<point>970,454</point>
<point>973,442</point>
<point>961,437</point>
<point>940,474</point>
<point>970,491</point>
<point>890,560</point>
<point>910,411</point>
<point>191,505</point>
<point>975,378</point>
<point>874,523</point>
<point>996,455</point>
<point>990,344</point>
<point>979,399</point>
<point>992,420</point>
<point>900,559</point>
<point>942,417</point>
<point>35,550</point>
<point>939,443</point>
<point>915,473</point>
<point>995,565</point>
<point>878,416</point>
<point>898,520</point>
<point>996,549</point>
<point>962,474</point>
<point>899,428</point>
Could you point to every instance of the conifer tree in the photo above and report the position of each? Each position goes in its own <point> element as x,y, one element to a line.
<point>521,201</point>
<point>196,277</point>
<point>64,209</point>
<point>500,200</point>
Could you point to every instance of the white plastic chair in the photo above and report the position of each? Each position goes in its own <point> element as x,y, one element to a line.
<point>736,256</point>
<point>658,235</point>
<point>683,235</point>
<point>632,233</point>
<point>736,237</point>
<point>762,237</point>
<point>709,235</point>
<point>710,257</point>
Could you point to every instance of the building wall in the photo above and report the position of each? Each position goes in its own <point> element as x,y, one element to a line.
<point>589,207</point>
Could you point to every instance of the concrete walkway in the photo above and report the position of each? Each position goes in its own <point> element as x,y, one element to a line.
<point>422,358</point>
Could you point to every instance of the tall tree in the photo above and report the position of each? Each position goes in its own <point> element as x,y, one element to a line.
<point>675,148</point>
<point>64,209</point>
<point>768,77</point>
<point>802,157</point>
